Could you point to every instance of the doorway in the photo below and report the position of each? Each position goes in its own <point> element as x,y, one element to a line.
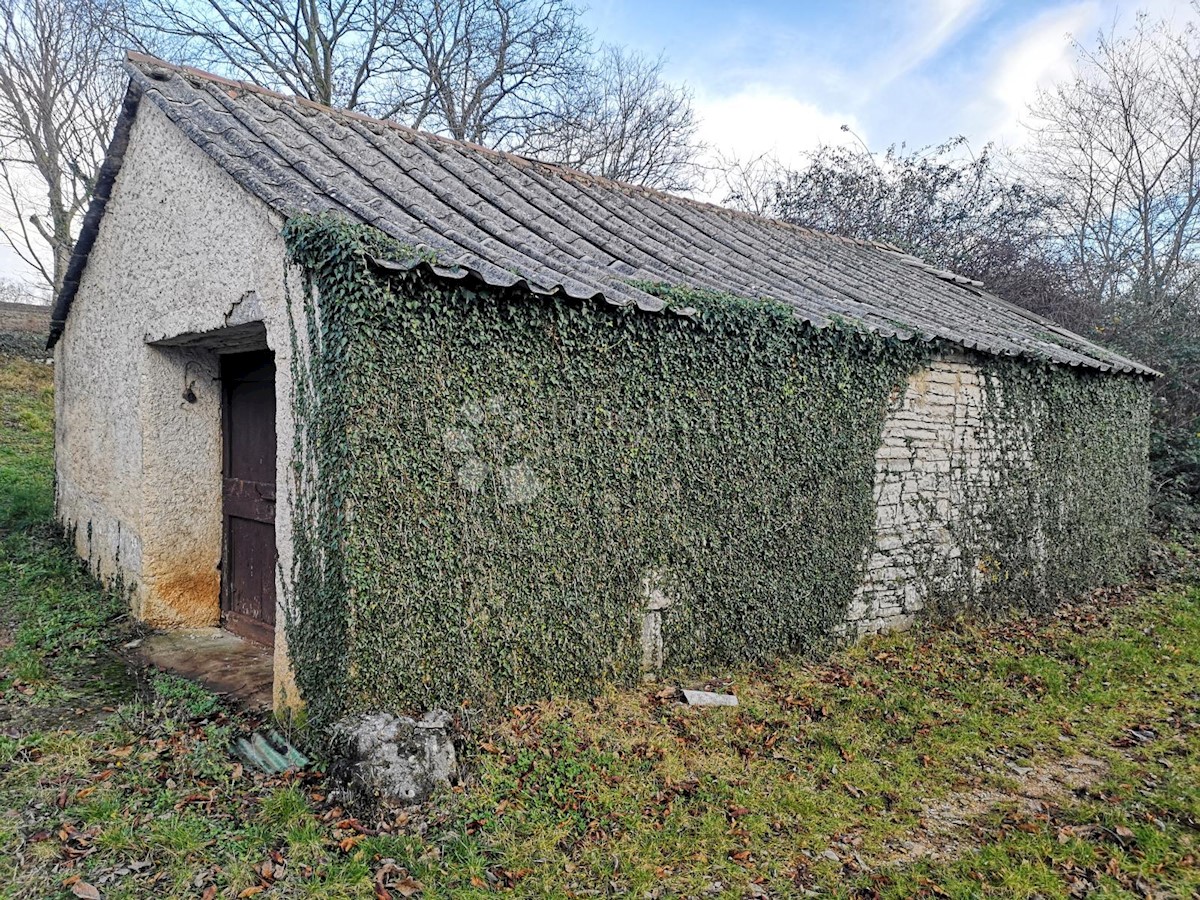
<point>248,495</point>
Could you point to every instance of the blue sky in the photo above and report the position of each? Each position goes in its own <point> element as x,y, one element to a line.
<point>775,76</point>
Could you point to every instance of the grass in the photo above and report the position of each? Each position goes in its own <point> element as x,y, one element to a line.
<point>822,775</point>
<point>1053,757</point>
<point>27,445</point>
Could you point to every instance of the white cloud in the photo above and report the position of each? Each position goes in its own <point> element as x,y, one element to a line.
<point>931,26</point>
<point>760,119</point>
<point>1041,53</point>
<point>1036,57</point>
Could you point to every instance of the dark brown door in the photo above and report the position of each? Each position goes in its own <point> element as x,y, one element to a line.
<point>248,569</point>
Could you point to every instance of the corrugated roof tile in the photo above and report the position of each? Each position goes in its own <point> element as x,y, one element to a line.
<point>507,220</point>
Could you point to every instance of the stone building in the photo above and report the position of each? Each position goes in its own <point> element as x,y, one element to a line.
<point>438,422</point>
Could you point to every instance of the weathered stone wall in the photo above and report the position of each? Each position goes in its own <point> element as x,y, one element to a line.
<point>28,318</point>
<point>931,467</point>
<point>185,265</point>
<point>23,329</point>
<point>935,465</point>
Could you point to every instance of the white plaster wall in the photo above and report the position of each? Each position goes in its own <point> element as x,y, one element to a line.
<point>932,468</point>
<point>182,249</point>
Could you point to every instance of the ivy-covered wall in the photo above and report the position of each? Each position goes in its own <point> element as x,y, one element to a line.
<point>1061,504</point>
<point>498,486</point>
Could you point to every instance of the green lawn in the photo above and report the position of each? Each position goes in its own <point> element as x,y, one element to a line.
<point>1054,757</point>
<point>26,442</point>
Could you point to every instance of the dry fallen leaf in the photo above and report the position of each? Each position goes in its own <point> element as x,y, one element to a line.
<point>408,886</point>
<point>251,891</point>
<point>386,871</point>
<point>85,890</point>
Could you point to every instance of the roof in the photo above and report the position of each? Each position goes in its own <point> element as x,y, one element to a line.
<point>506,220</point>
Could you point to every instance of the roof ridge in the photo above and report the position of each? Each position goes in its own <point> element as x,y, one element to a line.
<point>145,62</point>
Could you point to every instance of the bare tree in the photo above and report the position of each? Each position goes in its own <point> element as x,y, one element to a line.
<point>750,185</point>
<point>333,52</point>
<point>621,119</point>
<point>486,71</point>
<point>13,290</point>
<point>1119,145</point>
<point>954,208</point>
<point>58,96</point>
<point>515,74</point>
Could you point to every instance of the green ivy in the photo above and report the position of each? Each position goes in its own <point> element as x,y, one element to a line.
<point>487,479</point>
<point>1071,510</point>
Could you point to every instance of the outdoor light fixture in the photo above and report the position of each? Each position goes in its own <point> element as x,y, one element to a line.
<point>188,393</point>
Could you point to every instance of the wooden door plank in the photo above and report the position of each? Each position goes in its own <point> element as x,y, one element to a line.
<point>249,561</point>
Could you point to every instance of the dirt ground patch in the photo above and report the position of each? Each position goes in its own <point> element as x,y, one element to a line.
<point>952,826</point>
<point>238,670</point>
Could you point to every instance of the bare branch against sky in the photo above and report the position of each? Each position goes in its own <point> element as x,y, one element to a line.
<point>477,70</point>
<point>520,75</point>
<point>1119,145</point>
<point>624,120</point>
<point>747,184</point>
<point>58,95</point>
<point>334,52</point>
<point>486,71</point>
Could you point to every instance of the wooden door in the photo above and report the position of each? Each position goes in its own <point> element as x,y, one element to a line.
<point>248,432</point>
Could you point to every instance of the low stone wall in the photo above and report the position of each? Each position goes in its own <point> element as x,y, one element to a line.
<point>23,329</point>
<point>28,318</point>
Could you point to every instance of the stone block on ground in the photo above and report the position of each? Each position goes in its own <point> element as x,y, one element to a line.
<point>707,698</point>
<point>382,760</point>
